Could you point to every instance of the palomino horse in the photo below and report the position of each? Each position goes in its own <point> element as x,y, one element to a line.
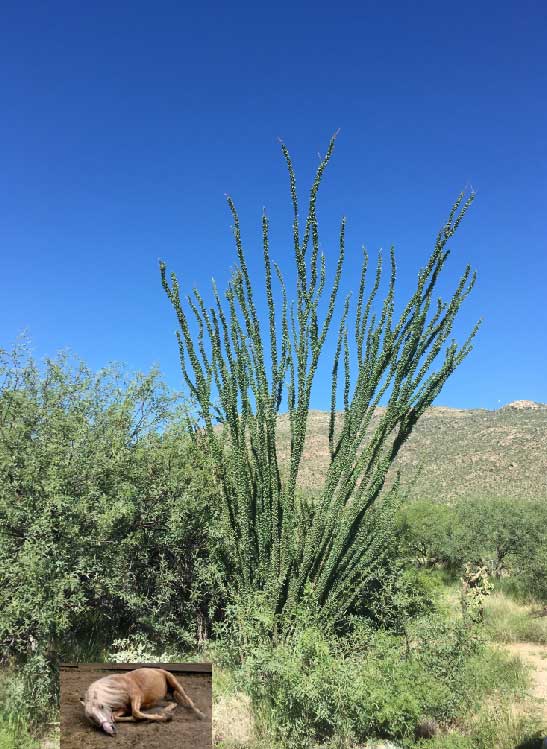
<point>120,697</point>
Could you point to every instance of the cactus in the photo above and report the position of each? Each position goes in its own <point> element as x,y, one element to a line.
<point>241,372</point>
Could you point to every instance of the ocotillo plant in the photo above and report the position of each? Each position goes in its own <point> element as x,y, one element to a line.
<point>240,374</point>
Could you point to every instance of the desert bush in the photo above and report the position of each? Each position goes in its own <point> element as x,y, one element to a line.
<point>508,536</point>
<point>315,686</point>
<point>107,514</point>
<point>502,532</point>
<point>395,598</point>
<point>428,533</point>
<point>530,559</point>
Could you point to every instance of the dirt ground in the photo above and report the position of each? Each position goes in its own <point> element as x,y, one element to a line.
<point>185,731</point>
<point>535,656</point>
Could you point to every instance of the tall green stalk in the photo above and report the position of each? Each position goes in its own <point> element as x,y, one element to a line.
<point>241,372</point>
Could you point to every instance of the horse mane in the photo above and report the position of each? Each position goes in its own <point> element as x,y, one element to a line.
<point>108,691</point>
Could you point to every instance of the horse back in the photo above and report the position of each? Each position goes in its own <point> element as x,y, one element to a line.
<point>151,683</point>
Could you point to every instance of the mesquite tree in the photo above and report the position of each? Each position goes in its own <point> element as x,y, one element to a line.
<point>240,374</point>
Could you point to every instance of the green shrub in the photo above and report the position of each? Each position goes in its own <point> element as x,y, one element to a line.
<point>12,737</point>
<point>427,532</point>
<point>17,689</point>
<point>314,687</point>
<point>402,594</point>
<point>508,536</point>
<point>107,519</point>
<point>448,741</point>
<point>530,561</point>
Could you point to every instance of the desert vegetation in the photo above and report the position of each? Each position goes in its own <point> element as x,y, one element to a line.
<point>140,524</point>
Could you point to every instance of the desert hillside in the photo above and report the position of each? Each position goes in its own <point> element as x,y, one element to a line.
<point>455,452</point>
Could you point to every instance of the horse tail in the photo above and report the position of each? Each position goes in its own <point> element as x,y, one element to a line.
<point>179,694</point>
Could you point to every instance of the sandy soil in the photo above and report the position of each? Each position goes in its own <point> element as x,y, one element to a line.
<point>185,731</point>
<point>536,657</point>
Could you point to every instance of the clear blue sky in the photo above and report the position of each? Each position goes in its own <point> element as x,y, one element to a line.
<point>124,124</point>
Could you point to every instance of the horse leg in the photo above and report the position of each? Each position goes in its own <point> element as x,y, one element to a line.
<point>180,695</point>
<point>137,713</point>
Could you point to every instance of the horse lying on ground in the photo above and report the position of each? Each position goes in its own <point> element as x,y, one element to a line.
<point>120,697</point>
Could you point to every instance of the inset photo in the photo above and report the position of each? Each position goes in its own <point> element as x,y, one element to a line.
<point>136,705</point>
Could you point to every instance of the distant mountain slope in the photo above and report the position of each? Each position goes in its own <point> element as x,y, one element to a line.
<point>461,453</point>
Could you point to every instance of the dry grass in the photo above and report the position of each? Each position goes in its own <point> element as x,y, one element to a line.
<point>51,742</point>
<point>507,621</point>
<point>233,722</point>
<point>503,726</point>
